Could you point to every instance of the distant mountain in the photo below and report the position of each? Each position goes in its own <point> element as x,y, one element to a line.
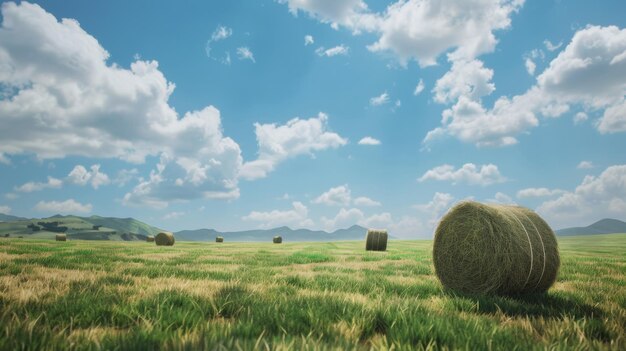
<point>289,235</point>
<point>604,226</point>
<point>9,218</point>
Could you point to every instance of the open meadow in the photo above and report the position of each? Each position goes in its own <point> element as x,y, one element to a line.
<point>87,295</point>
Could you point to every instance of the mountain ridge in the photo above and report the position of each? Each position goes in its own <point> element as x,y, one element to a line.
<point>603,226</point>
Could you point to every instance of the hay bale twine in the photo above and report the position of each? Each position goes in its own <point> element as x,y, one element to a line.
<point>164,239</point>
<point>150,238</point>
<point>277,239</point>
<point>60,237</point>
<point>495,249</point>
<point>376,240</point>
<point>219,239</point>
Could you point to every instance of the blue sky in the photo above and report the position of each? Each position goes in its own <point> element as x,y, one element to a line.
<point>319,114</point>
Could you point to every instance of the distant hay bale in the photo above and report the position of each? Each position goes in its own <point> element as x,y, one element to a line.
<point>164,239</point>
<point>61,237</point>
<point>150,238</point>
<point>277,239</point>
<point>495,249</point>
<point>376,240</point>
<point>219,239</point>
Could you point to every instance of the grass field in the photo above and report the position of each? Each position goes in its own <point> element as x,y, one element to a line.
<point>137,296</point>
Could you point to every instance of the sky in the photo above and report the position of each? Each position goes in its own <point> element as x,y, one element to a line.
<point>315,114</point>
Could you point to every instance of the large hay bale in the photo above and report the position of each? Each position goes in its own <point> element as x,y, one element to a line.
<point>150,238</point>
<point>60,237</point>
<point>376,240</point>
<point>277,239</point>
<point>495,249</point>
<point>219,239</point>
<point>164,239</point>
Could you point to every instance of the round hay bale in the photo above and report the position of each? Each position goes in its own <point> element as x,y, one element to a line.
<point>277,239</point>
<point>150,238</point>
<point>376,240</point>
<point>495,249</point>
<point>60,237</point>
<point>219,239</point>
<point>164,239</point>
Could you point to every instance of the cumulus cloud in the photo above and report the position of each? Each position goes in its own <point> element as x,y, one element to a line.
<point>585,165</point>
<point>337,12</point>
<point>530,66</point>
<point>431,212</point>
<point>296,217</point>
<point>81,176</point>
<point>538,192</point>
<point>502,198</point>
<point>369,141</point>
<point>580,117</point>
<point>366,202</point>
<point>125,176</point>
<point>419,87</point>
<point>589,72</point>
<point>308,40</point>
<point>348,217</point>
<point>5,209</point>
<point>465,78</point>
<point>468,173</point>
<point>65,87</point>
<point>334,51</point>
<point>550,46</point>
<point>52,183</point>
<point>380,99</point>
<point>280,142</point>
<point>595,198</point>
<point>338,196</point>
<point>244,53</point>
<point>70,206</point>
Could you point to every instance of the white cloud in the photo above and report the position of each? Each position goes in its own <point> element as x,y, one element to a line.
<point>550,46</point>
<point>11,196</point>
<point>502,198</point>
<point>595,198</point>
<point>337,196</point>
<point>433,210</point>
<point>469,173</point>
<point>369,141</point>
<point>244,53</point>
<point>585,165</point>
<point>125,176</point>
<point>4,159</point>
<point>221,33</point>
<point>530,66</point>
<point>66,88</point>
<point>173,215</point>
<point>81,176</point>
<point>365,202</point>
<point>380,100</point>
<point>70,206</point>
<point>343,219</point>
<point>296,217</point>
<point>30,187</point>
<point>590,71</point>
<point>334,51</point>
<point>424,29</point>
<point>280,142</point>
<point>308,40</point>
<point>419,87</point>
<point>5,209</point>
<point>538,192</point>
<point>580,117</point>
<point>335,12</point>
<point>465,78</point>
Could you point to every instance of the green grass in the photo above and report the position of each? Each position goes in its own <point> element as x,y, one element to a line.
<point>88,295</point>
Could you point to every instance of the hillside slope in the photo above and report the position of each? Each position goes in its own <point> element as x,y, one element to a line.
<point>604,226</point>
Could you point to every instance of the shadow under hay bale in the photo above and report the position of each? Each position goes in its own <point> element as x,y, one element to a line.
<point>219,239</point>
<point>60,237</point>
<point>376,240</point>
<point>164,239</point>
<point>495,249</point>
<point>277,239</point>
<point>150,238</point>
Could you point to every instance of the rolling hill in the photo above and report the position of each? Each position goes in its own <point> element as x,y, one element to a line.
<point>603,226</point>
<point>85,228</point>
<point>9,218</point>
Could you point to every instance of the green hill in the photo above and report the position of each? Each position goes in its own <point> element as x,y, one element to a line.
<point>603,226</point>
<point>84,228</point>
